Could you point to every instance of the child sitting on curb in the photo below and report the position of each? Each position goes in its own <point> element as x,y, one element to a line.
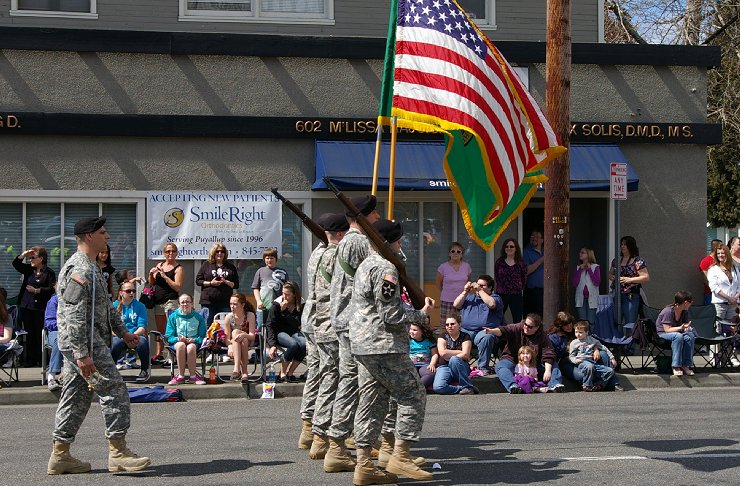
<point>585,352</point>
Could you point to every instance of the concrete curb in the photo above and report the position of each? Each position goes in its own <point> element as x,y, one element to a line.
<point>20,395</point>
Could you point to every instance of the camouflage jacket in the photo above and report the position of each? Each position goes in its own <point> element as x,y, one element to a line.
<point>75,309</point>
<point>379,323</point>
<point>352,250</point>
<point>309,296</point>
<point>322,326</point>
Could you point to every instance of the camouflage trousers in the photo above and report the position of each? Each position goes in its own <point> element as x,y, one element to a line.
<point>329,379</point>
<point>345,402</point>
<point>381,376</point>
<point>76,397</point>
<point>311,388</point>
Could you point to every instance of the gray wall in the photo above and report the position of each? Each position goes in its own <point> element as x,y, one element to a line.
<point>516,20</point>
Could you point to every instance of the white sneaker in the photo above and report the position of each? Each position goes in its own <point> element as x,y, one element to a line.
<point>209,358</point>
<point>226,359</point>
<point>734,361</point>
<point>53,383</point>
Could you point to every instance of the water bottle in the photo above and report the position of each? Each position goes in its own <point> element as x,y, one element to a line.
<point>271,374</point>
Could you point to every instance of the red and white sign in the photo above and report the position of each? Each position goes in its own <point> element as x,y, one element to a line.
<point>618,181</point>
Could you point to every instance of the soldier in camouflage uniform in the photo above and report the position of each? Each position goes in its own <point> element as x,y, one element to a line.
<point>88,364</point>
<point>354,248</point>
<point>380,344</point>
<point>335,226</point>
<point>308,317</point>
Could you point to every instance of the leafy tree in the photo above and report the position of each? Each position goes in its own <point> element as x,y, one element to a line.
<point>694,22</point>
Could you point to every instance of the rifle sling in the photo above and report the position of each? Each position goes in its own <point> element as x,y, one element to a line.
<point>345,266</point>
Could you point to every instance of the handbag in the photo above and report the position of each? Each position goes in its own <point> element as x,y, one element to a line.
<point>147,297</point>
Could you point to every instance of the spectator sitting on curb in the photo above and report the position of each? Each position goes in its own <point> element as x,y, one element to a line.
<point>454,352</point>
<point>480,310</point>
<point>527,333</point>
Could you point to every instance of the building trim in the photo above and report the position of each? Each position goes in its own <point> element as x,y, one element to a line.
<point>264,45</point>
<point>317,128</point>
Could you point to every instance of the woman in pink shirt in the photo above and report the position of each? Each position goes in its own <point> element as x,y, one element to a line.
<point>452,276</point>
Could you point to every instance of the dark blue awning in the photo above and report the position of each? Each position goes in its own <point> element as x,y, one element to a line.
<point>419,166</point>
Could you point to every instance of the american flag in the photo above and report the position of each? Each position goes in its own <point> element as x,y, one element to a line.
<point>448,76</point>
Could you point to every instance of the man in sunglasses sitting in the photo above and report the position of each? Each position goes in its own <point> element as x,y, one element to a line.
<point>529,332</point>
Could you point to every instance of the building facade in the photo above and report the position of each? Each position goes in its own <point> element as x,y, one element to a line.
<point>102,101</point>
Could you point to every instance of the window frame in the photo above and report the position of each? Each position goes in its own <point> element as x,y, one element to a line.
<point>489,23</point>
<point>17,12</point>
<point>256,16</point>
<point>91,197</point>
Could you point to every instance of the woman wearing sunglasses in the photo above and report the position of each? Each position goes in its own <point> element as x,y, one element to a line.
<point>36,290</point>
<point>217,278</point>
<point>133,315</point>
<point>167,278</point>
<point>510,273</point>
<point>452,276</point>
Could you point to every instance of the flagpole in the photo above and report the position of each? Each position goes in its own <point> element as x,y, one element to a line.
<point>378,145</point>
<point>392,171</point>
<point>557,189</point>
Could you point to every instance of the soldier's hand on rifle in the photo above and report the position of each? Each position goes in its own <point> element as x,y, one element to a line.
<point>428,305</point>
<point>86,366</point>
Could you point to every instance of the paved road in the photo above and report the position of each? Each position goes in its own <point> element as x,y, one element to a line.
<point>641,437</point>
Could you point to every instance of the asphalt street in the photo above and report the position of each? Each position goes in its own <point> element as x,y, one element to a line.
<point>685,436</point>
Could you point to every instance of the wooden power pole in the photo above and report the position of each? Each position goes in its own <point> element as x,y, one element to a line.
<point>557,188</point>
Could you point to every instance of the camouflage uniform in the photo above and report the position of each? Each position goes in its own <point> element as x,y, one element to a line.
<point>380,343</point>
<point>327,344</point>
<point>311,388</point>
<point>75,290</point>
<point>352,250</point>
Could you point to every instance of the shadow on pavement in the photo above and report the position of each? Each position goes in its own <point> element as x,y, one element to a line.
<point>216,466</point>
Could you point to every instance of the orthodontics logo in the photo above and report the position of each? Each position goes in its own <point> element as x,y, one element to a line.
<point>174,217</point>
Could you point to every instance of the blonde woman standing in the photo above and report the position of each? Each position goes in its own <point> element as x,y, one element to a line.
<point>167,278</point>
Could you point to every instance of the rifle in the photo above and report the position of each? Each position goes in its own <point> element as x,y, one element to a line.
<point>309,223</point>
<point>415,293</point>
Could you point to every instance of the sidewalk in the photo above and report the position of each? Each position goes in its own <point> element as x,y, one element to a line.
<point>30,391</point>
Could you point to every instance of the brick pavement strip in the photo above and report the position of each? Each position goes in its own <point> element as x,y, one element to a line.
<point>30,391</point>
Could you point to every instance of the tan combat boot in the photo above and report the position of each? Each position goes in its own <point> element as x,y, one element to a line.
<point>402,465</point>
<point>306,438</point>
<point>319,447</point>
<point>337,458</point>
<point>386,451</point>
<point>62,462</point>
<point>349,442</point>
<point>366,473</point>
<point>121,458</point>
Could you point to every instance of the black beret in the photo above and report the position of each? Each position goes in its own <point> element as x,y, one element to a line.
<point>333,222</point>
<point>366,204</point>
<point>390,230</point>
<point>89,225</point>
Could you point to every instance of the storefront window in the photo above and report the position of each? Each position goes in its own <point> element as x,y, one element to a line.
<point>120,221</point>
<point>11,225</point>
<point>437,237</point>
<point>408,215</point>
<point>73,212</point>
<point>474,254</point>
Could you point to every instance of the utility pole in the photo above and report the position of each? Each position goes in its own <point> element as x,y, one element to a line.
<point>557,188</point>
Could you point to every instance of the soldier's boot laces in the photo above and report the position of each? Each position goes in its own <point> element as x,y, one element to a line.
<point>386,451</point>
<point>366,473</point>
<point>62,462</point>
<point>319,447</point>
<point>402,465</point>
<point>121,458</point>
<point>337,458</point>
<point>306,438</point>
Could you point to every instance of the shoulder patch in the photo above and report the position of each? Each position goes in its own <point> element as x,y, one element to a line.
<point>390,278</point>
<point>79,278</point>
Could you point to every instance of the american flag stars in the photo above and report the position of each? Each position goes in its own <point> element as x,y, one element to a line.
<point>442,16</point>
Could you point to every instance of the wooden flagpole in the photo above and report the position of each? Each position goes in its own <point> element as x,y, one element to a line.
<point>557,188</point>
<point>378,146</point>
<point>392,171</point>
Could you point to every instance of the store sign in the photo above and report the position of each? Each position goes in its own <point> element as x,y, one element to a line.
<point>245,222</point>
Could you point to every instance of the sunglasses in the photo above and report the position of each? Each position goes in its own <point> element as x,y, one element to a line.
<point>171,251</point>
<point>529,326</point>
<point>448,324</point>
<point>455,251</point>
<point>510,246</point>
<point>128,291</point>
